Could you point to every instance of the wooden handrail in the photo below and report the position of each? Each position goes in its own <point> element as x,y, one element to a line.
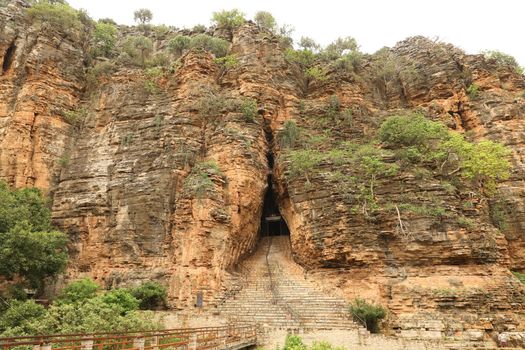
<point>184,338</point>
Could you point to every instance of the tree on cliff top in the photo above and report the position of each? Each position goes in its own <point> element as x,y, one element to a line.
<point>29,248</point>
<point>228,19</point>
<point>143,16</point>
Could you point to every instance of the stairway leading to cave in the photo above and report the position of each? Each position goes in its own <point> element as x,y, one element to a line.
<point>275,293</point>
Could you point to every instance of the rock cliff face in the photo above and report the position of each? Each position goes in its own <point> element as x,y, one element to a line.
<point>156,186</point>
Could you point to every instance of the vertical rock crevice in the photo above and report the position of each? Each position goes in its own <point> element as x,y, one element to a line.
<point>8,57</point>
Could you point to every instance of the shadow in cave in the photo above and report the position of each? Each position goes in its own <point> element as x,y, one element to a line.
<point>272,223</point>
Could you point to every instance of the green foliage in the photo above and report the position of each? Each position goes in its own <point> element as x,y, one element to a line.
<point>465,222</point>
<point>142,16</point>
<point>304,58</point>
<point>26,205</point>
<point>498,212</point>
<point>473,91</point>
<point>315,73</point>
<point>29,248</point>
<point>340,48</point>
<point>227,62</point>
<point>218,47</point>
<point>77,310</point>
<point>334,106</point>
<point>107,21</point>
<point>303,162</point>
<point>419,139</point>
<point>151,77</point>
<point>151,296</point>
<point>178,44</point>
<point>199,182</point>
<point>294,342</point>
<point>17,315</point>
<point>104,39</point>
<point>122,298</point>
<point>78,291</point>
<point>289,135</point>
<point>485,162</point>
<point>413,130</point>
<point>228,19</point>
<point>101,69</point>
<point>58,15</point>
<point>306,43</point>
<point>504,59</point>
<point>324,346</point>
<point>265,20</point>
<point>211,104</point>
<point>520,276</point>
<point>64,160</point>
<point>249,109</point>
<point>199,28</point>
<point>367,314</point>
<point>76,116</point>
<point>136,49</point>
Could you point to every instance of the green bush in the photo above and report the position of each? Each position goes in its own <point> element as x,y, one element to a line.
<point>504,60</point>
<point>498,214</point>
<point>228,19</point>
<point>101,69</point>
<point>17,317</point>
<point>485,162</point>
<point>78,291</point>
<point>413,130</point>
<point>58,15</point>
<point>75,117</point>
<point>341,47</point>
<point>249,109</point>
<point>199,182</point>
<point>304,58</point>
<point>137,49</point>
<point>104,39</point>
<point>520,276</point>
<point>218,47</point>
<point>123,298</point>
<point>315,73</point>
<point>306,43</point>
<point>29,248</point>
<point>473,91</point>
<point>265,20</point>
<point>178,44</point>
<point>151,296</point>
<point>294,342</point>
<point>143,16</point>
<point>367,314</point>
<point>418,138</point>
<point>227,62</point>
<point>199,28</point>
<point>289,135</point>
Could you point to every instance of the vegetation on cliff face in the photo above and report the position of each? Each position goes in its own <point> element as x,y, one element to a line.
<point>402,143</point>
<point>30,249</point>
<point>80,307</point>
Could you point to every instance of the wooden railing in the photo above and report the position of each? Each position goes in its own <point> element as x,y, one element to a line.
<point>207,338</point>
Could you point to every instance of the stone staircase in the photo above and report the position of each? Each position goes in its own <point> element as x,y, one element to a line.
<point>275,293</point>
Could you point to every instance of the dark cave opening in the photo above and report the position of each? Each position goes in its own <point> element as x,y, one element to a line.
<point>8,58</point>
<point>272,222</point>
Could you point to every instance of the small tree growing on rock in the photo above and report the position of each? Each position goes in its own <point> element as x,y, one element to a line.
<point>265,20</point>
<point>143,16</point>
<point>367,314</point>
<point>228,19</point>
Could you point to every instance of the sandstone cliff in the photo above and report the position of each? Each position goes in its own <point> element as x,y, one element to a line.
<point>122,180</point>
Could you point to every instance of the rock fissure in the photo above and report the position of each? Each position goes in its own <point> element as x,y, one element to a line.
<point>8,57</point>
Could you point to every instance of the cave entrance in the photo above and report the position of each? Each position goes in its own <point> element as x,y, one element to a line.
<point>272,223</point>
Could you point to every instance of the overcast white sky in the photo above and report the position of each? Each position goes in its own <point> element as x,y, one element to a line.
<point>473,25</point>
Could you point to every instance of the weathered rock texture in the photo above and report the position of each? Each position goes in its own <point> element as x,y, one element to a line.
<point>120,182</point>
